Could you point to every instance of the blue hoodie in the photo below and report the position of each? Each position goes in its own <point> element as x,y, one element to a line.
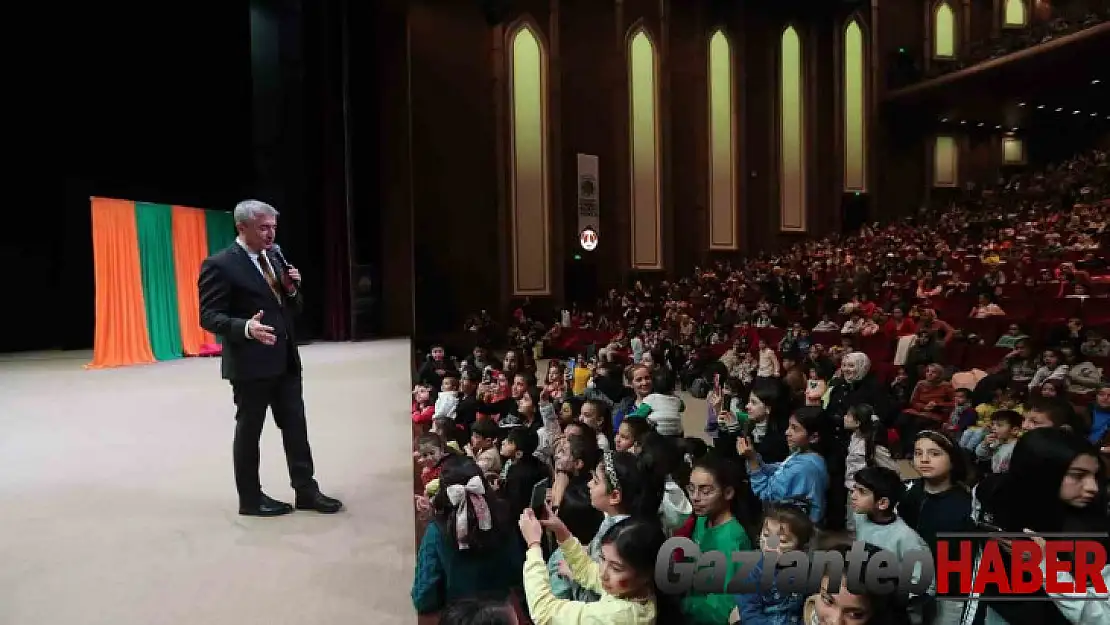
<point>1100,423</point>
<point>800,475</point>
<point>771,607</point>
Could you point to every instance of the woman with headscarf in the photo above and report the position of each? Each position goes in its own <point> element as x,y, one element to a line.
<point>853,384</point>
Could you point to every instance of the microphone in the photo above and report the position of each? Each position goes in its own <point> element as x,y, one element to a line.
<point>285,264</point>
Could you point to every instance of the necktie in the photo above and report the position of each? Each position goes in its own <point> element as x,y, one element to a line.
<point>268,271</point>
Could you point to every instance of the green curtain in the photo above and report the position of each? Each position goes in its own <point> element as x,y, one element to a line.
<point>221,230</point>
<point>154,223</point>
<point>220,227</point>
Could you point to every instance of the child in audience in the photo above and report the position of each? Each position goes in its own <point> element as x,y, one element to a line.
<point>769,366</point>
<point>815,387</point>
<point>998,446</point>
<point>520,470</point>
<point>963,414</point>
<point>803,474</point>
<point>875,496</point>
<point>866,448</point>
<point>449,431</point>
<point>430,449</point>
<point>630,433</point>
<point>715,493</point>
<point>1052,368</point>
<point>574,459</point>
<point>973,435</point>
<point>1100,415</point>
<point>662,408</point>
<point>786,527</point>
<point>625,582</point>
<point>569,411</point>
<point>597,414</point>
<point>423,409</point>
<point>618,490</point>
<point>745,369</point>
<point>659,460</point>
<point>483,447</point>
<point>448,401</point>
<point>938,502</point>
<point>477,557</point>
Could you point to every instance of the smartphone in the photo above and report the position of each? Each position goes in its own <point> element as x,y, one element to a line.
<point>717,383</point>
<point>539,497</point>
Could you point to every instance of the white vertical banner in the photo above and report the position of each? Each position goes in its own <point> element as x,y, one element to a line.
<point>588,220</point>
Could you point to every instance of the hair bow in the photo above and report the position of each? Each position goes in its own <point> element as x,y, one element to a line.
<point>464,497</point>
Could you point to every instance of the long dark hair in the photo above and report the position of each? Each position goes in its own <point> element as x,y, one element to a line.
<point>1028,495</point>
<point>813,419</point>
<point>729,474</point>
<point>659,456</point>
<point>638,542</point>
<point>459,470</point>
<point>885,608</point>
<point>773,395</point>
<point>641,493</point>
<point>873,433</point>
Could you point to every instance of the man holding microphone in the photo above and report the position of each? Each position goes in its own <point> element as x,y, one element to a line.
<point>248,297</point>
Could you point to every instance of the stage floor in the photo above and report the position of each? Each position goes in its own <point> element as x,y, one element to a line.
<point>118,505</point>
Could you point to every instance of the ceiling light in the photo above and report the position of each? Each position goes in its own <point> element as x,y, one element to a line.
<point>998,127</point>
<point>1094,114</point>
<point>1075,112</point>
<point>1095,81</point>
<point>1059,108</point>
<point>1021,103</point>
<point>981,124</point>
<point>1015,129</point>
<point>1041,106</point>
<point>963,121</point>
<point>943,119</point>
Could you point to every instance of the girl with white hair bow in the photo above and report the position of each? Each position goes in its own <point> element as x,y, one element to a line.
<point>466,550</point>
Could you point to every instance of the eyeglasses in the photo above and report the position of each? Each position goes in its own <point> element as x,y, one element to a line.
<point>705,490</point>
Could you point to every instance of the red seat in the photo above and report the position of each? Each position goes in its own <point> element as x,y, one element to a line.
<point>1019,309</point>
<point>986,329</point>
<point>1057,310</point>
<point>877,347</point>
<point>954,353</point>
<point>983,357</point>
<point>1096,312</point>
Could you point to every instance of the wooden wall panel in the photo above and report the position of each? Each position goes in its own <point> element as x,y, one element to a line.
<point>459,112</point>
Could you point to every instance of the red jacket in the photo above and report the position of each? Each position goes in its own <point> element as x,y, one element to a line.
<point>422,415</point>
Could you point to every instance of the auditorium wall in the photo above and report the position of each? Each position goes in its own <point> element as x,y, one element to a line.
<point>465,194</point>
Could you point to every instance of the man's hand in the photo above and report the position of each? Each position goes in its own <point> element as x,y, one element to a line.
<point>262,333</point>
<point>292,278</point>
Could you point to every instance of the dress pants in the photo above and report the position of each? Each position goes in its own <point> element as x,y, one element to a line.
<point>283,395</point>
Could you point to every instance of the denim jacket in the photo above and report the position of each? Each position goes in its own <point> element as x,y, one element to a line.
<point>769,607</point>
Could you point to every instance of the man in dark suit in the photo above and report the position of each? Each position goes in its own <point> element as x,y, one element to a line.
<point>248,297</point>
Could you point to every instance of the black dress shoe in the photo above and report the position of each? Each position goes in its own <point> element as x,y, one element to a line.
<point>319,502</point>
<point>265,506</point>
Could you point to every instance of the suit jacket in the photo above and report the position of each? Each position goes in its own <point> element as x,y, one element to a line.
<point>232,290</point>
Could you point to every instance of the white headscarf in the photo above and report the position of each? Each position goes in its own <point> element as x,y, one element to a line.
<point>862,365</point>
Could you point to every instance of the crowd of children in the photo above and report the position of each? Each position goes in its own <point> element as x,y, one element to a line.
<point>804,429</point>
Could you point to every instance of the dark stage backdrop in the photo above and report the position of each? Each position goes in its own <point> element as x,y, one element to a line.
<point>148,104</point>
<point>201,105</point>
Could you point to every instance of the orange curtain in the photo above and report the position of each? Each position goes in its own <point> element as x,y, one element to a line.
<point>190,248</point>
<point>121,336</point>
